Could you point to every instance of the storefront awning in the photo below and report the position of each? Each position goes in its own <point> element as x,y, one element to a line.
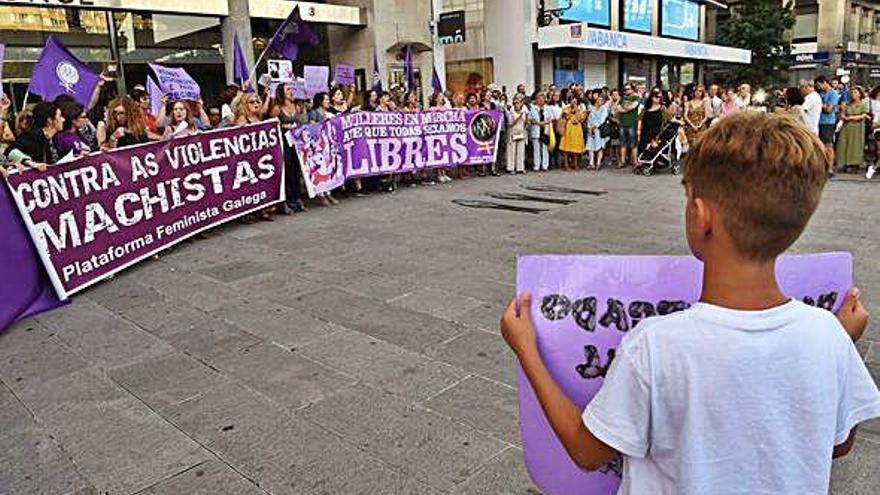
<point>587,38</point>
<point>309,11</point>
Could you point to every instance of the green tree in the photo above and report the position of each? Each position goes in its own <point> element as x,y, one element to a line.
<point>760,26</point>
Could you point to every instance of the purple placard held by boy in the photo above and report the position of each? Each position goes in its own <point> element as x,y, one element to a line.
<point>344,74</point>
<point>316,79</point>
<point>582,306</point>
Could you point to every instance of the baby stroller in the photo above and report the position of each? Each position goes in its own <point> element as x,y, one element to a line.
<point>664,152</point>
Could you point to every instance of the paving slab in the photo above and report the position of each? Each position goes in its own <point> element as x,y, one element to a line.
<point>208,478</point>
<point>119,444</point>
<point>415,441</point>
<point>479,352</point>
<point>383,365</point>
<point>403,327</point>
<point>276,323</point>
<point>506,474</point>
<point>485,405</point>
<point>284,376</point>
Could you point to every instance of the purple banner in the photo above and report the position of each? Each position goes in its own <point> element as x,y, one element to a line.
<point>582,307</point>
<point>99,214</point>
<point>176,83</point>
<point>344,74</point>
<point>362,144</point>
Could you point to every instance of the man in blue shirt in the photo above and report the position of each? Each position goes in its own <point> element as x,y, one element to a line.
<point>828,117</point>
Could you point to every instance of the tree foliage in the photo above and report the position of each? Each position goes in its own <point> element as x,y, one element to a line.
<point>760,26</point>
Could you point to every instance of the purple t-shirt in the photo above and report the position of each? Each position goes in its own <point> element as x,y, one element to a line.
<point>65,142</point>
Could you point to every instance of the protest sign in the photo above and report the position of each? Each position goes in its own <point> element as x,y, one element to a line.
<point>344,74</point>
<point>280,71</point>
<point>362,144</point>
<point>102,213</point>
<point>176,83</point>
<point>582,306</point>
<point>299,89</point>
<point>316,79</point>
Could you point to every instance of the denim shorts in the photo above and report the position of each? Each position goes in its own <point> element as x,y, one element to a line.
<point>628,137</point>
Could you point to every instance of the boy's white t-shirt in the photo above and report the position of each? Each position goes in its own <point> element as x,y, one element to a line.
<point>712,400</point>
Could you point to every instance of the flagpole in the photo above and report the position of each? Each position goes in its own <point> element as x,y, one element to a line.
<point>24,103</point>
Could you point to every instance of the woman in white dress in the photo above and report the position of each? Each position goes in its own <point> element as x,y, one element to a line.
<point>595,141</point>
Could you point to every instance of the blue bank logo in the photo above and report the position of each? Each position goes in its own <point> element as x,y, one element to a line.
<point>607,39</point>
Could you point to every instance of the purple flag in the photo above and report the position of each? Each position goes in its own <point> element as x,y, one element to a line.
<point>240,72</point>
<point>435,81</point>
<point>581,308</point>
<point>377,76</point>
<point>292,33</point>
<point>59,72</point>
<point>408,71</point>
<point>25,289</point>
<point>155,96</point>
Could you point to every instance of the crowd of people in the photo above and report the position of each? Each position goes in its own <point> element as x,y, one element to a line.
<point>571,128</point>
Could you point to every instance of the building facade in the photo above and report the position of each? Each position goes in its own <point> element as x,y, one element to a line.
<point>506,42</point>
<point>836,37</point>
<point>592,42</point>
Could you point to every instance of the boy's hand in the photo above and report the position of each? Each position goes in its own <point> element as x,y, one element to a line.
<point>516,326</point>
<point>853,315</point>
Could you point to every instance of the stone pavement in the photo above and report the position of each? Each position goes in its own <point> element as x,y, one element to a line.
<point>352,349</point>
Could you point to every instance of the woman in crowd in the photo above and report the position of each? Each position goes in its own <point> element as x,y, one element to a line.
<point>319,113</point>
<point>651,121</point>
<point>599,113</point>
<point>35,148</point>
<point>410,102</point>
<point>850,149</point>
<point>554,113</point>
<point>613,144</point>
<point>516,136</point>
<point>874,104</point>
<point>472,102</point>
<point>150,120</point>
<point>438,104</point>
<point>728,103</point>
<point>371,100</point>
<point>182,122</point>
<point>7,136</point>
<point>247,109</point>
<point>68,140</point>
<point>291,114</point>
<point>538,120</point>
<point>338,102</point>
<point>86,130</point>
<point>572,144</point>
<point>696,114</point>
<point>126,124</point>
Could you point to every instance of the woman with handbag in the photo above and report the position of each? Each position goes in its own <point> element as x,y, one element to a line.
<point>516,136</point>
<point>595,141</point>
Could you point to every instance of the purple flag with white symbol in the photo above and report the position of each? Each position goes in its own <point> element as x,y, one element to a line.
<point>435,81</point>
<point>240,72</point>
<point>59,72</point>
<point>408,71</point>
<point>292,33</point>
<point>376,75</point>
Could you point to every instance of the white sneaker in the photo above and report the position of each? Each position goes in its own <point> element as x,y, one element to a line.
<point>871,172</point>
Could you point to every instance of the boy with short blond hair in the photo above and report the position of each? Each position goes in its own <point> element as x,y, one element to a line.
<point>748,391</point>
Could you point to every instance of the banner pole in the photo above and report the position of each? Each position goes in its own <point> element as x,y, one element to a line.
<point>24,103</point>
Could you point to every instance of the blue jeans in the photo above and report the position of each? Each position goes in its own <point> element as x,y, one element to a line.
<point>628,137</point>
